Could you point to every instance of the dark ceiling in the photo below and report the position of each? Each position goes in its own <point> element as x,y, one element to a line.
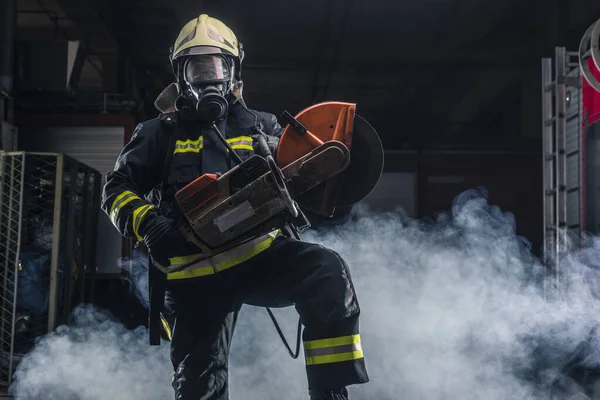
<point>423,72</point>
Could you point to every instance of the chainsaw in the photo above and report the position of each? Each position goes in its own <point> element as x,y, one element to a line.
<point>327,158</point>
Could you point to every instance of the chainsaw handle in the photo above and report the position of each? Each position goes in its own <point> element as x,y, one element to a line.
<point>263,146</point>
<point>261,139</point>
<point>280,182</point>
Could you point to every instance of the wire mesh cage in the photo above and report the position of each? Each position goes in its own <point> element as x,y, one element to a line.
<point>48,210</point>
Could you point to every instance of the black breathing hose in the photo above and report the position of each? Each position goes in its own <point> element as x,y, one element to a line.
<point>292,228</point>
<point>238,159</point>
<point>282,336</point>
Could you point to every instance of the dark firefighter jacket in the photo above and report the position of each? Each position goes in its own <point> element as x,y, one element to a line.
<point>164,155</point>
<point>142,185</point>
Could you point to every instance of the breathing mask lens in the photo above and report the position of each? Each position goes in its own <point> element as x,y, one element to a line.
<point>206,68</point>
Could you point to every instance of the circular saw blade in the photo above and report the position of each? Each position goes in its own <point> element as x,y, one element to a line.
<point>366,164</point>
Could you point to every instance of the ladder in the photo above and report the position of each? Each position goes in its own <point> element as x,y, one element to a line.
<point>562,170</point>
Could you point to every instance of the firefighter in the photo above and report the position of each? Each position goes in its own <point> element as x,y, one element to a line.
<point>274,270</point>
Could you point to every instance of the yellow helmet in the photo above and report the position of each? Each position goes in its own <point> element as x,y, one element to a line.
<point>206,35</point>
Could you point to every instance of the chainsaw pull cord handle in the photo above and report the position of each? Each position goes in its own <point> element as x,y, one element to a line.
<point>263,146</point>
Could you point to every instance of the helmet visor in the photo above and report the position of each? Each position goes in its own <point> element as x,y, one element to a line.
<point>206,68</point>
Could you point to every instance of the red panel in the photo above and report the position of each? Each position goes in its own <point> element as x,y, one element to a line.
<point>591,114</point>
<point>591,97</point>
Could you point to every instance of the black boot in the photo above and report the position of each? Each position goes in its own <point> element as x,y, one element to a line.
<point>336,394</point>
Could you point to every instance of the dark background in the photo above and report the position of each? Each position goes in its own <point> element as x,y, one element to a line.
<point>452,86</point>
<point>424,72</point>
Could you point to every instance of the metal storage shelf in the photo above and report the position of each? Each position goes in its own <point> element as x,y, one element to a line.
<point>48,211</point>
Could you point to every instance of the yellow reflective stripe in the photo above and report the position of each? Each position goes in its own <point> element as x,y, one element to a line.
<point>245,256</point>
<point>241,143</point>
<point>222,261</point>
<point>331,350</point>
<point>213,268</point>
<point>138,216</point>
<point>333,358</point>
<point>191,273</point>
<point>242,147</point>
<point>166,327</point>
<point>187,150</point>
<point>203,267</point>
<point>188,146</point>
<point>194,146</point>
<point>121,200</point>
<point>183,259</point>
<point>240,139</point>
<point>338,341</point>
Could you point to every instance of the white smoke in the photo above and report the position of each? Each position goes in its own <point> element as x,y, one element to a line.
<point>450,310</point>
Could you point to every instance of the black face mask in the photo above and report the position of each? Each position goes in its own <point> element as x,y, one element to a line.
<point>207,103</point>
<point>207,77</point>
<point>211,104</point>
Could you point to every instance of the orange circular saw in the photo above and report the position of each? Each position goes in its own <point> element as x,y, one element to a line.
<point>328,158</point>
<point>333,121</point>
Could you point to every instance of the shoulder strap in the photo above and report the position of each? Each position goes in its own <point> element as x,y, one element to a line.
<point>157,279</point>
<point>168,138</point>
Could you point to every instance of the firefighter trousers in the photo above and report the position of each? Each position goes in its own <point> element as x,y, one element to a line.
<point>314,279</point>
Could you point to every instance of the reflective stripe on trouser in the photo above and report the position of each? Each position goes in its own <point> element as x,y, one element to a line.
<point>310,276</point>
<point>222,261</point>
<point>334,354</point>
<point>333,350</point>
<point>120,201</point>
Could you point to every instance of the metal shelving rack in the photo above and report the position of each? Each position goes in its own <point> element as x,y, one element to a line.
<point>48,205</point>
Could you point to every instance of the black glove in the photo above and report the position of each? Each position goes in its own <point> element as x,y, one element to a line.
<point>161,237</point>
<point>272,143</point>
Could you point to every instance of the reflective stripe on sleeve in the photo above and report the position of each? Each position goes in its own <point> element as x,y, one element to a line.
<point>138,216</point>
<point>222,261</point>
<point>166,327</point>
<point>121,200</point>
<point>188,146</point>
<point>325,351</point>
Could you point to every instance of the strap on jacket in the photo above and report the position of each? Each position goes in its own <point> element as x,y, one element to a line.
<point>156,278</point>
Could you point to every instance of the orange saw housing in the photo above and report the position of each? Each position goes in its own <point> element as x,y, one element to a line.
<point>323,122</point>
